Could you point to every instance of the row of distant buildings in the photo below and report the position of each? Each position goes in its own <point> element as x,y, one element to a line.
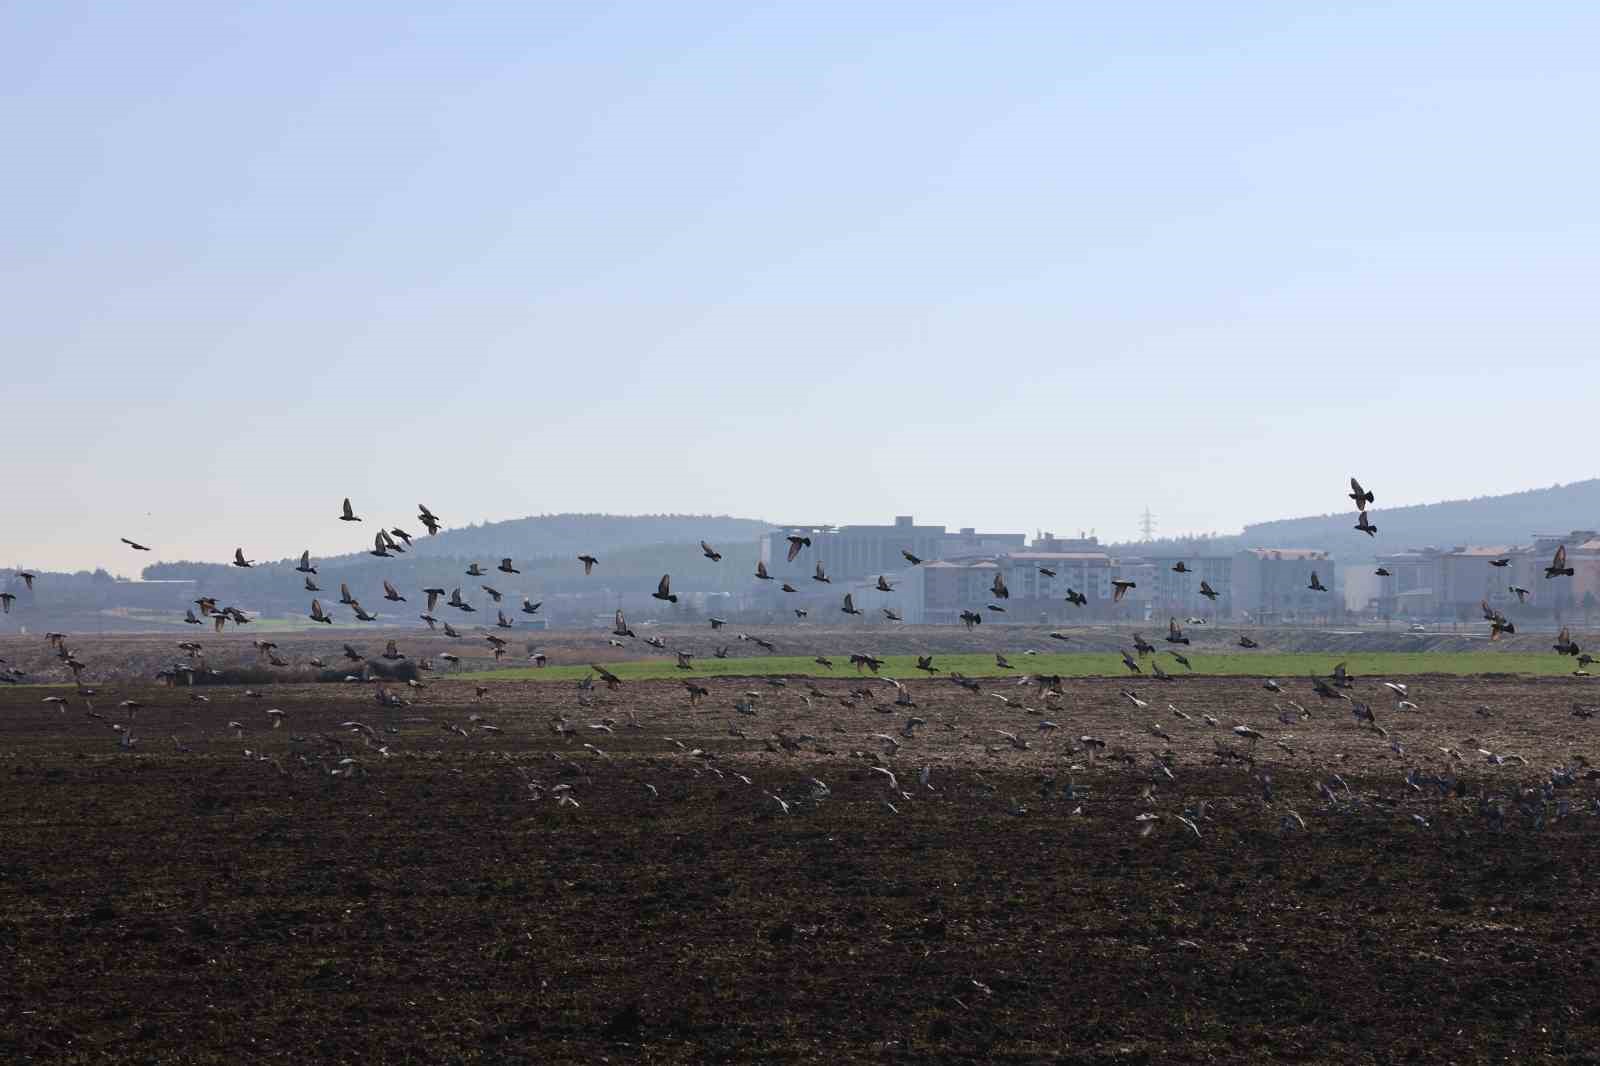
<point>1455,582</point>
<point>958,569</point>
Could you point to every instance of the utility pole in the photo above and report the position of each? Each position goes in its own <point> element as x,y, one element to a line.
<point>1147,525</point>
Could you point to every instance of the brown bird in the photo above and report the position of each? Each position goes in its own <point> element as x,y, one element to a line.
<point>348,515</point>
<point>999,588</point>
<point>849,605</point>
<point>317,615</point>
<point>1558,567</point>
<point>362,614</point>
<point>1175,633</point>
<point>795,544</point>
<point>620,625</point>
<point>1120,589</point>
<point>1360,495</point>
<point>761,571</point>
<point>344,594</point>
<point>664,590</point>
<point>588,562</point>
<point>391,594</point>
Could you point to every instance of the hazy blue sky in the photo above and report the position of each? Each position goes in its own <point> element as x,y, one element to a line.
<point>1015,265</point>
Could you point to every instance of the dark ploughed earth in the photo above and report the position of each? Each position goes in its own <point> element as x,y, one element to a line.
<point>216,894</point>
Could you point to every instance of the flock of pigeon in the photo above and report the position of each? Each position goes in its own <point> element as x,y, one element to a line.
<point>1537,803</point>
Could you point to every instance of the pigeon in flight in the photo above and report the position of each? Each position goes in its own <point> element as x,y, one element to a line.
<point>392,594</point>
<point>305,566</point>
<point>795,544</point>
<point>240,560</point>
<point>505,567</point>
<point>529,607</point>
<point>348,515</point>
<point>1175,633</point>
<point>1500,562</point>
<point>1076,598</point>
<point>1522,593</point>
<point>1360,495</point>
<point>134,545</point>
<point>428,519</point>
<point>710,553</point>
<point>820,575</point>
<point>588,562</point>
<point>761,571</point>
<point>1558,566</point>
<point>912,559</point>
<point>1316,585</point>
<point>883,585</point>
<point>999,588</point>
<point>1364,524</point>
<point>1207,591</point>
<point>1120,589</point>
<point>1180,567</point>
<point>849,605</point>
<point>664,590</point>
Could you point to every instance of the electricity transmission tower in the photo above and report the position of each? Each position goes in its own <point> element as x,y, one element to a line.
<point>1147,525</point>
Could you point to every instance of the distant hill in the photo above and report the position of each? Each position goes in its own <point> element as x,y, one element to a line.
<point>541,536</point>
<point>1486,520</point>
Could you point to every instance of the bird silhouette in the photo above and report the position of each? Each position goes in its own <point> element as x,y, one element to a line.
<point>912,559</point>
<point>820,575</point>
<point>710,553</point>
<point>1316,585</point>
<point>305,566</point>
<point>795,544</point>
<point>664,590</point>
<point>1558,566</point>
<point>1076,598</point>
<point>392,594</point>
<point>134,545</point>
<point>1175,633</point>
<point>1364,524</point>
<point>849,605</point>
<point>883,585</point>
<point>240,560</point>
<point>530,607</point>
<point>428,519</point>
<point>1120,589</point>
<point>998,588</point>
<point>505,567</point>
<point>761,571</point>
<point>1207,591</point>
<point>588,562</point>
<point>1360,495</point>
<point>346,514</point>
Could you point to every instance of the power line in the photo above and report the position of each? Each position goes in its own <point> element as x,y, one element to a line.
<point>1147,525</point>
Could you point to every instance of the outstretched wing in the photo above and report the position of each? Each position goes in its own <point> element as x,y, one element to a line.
<point>665,588</point>
<point>1561,557</point>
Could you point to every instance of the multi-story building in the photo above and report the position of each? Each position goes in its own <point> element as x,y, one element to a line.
<point>1179,594</point>
<point>1272,585</point>
<point>857,552</point>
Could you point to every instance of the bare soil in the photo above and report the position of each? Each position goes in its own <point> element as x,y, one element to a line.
<point>436,901</point>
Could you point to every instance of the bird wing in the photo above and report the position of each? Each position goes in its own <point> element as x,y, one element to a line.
<point>1172,628</point>
<point>390,589</point>
<point>238,556</point>
<point>761,569</point>
<point>1355,487</point>
<point>316,608</point>
<point>849,604</point>
<point>1561,557</point>
<point>305,557</point>
<point>348,511</point>
<point>665,588</point>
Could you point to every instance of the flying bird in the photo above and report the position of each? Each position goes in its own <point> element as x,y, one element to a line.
<point>588,562</point>
<point>305,566</point>
<point>392,594</point>
<point>1500,562</point>
<point>348,515</point>
<point>428,519</point>
<point>505,567</point>
<point>317,615</point>
<point>1076,598</point>
<point>380,546</point>
<point>240,560</point>
<point>710,553</point>
<point>1207,591</point>
<point>912,559</point>
<point>1382,571</point>
<point>761,571</point>
<point>849,605</point>
<point>1522,593</point>
<point>1175,632</point>
<point>664,590</point>
<point>795,544</point>
<point>1316,585</point>
<point>1558,567</point>
<point>134,545</point>
<point>820,575</point>
<point>1360,495</point>
<point>999,588</point>
<point>1120,589</point>
<point>1364,524</point>
<point>883,585</point>
<point>529,607</point>
<point>474,570</point>
<point>1180,567</point>
<point>620,625</point>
